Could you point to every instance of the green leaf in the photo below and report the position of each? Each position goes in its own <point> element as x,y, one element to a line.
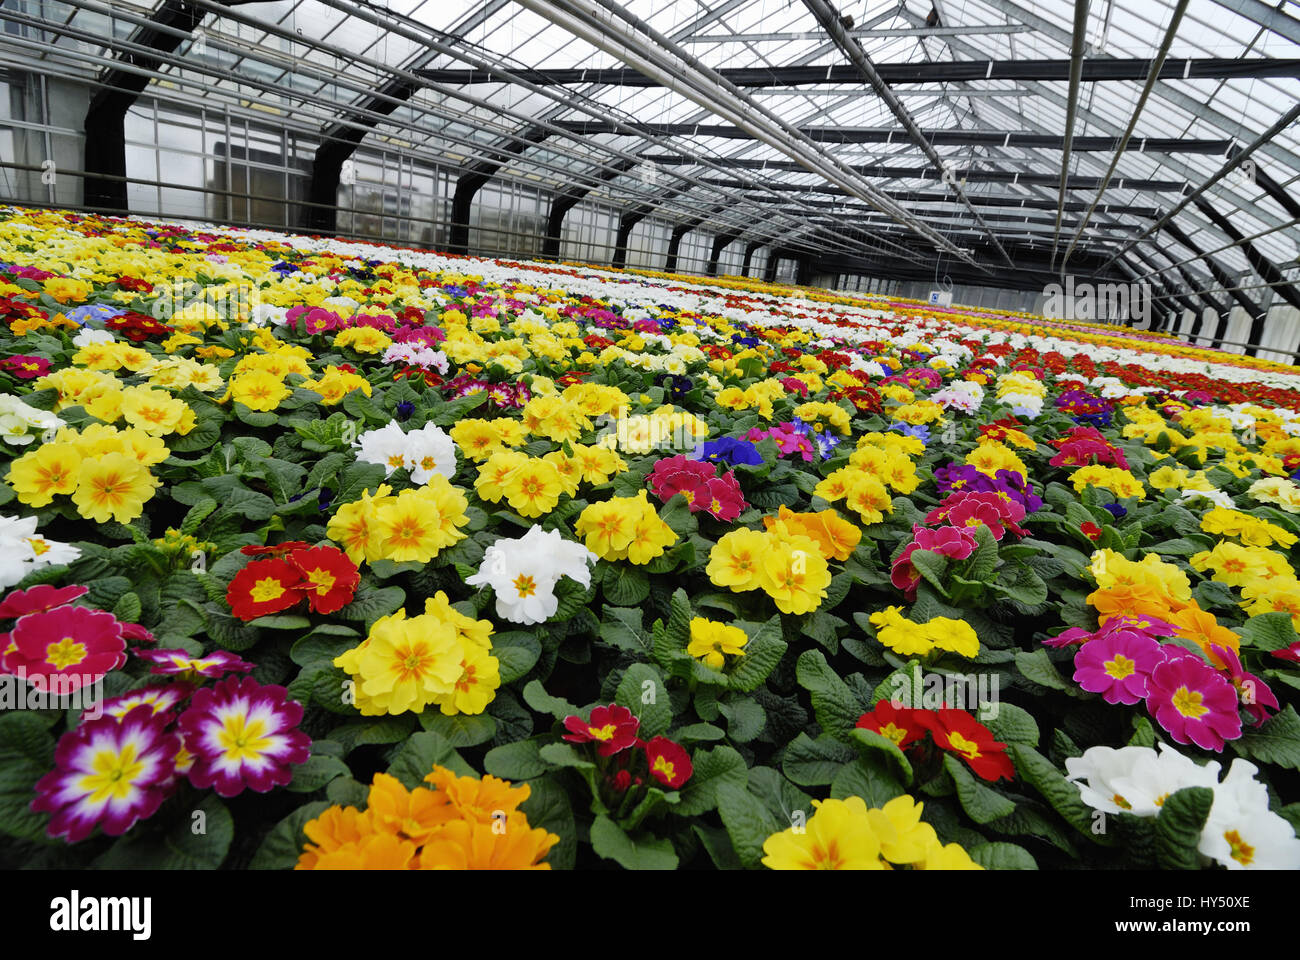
<point>621,627</point>
<point>868,777</point>
<point>228,631</point>
<point>127,609</point>
<point>449,413</point>
<point>281,622</point>
<point>535,696</point>
<point>1277,741</point>
<point>931,566</point>
<point>198,840</point>
<point>420,754</point>
<point>643,692</point>
<point>1268,631</point>
<point>371,602</point>
<point>516,761</point>
<point>1061,794</point>
<point>980,803</point>
<point>762,654</point>
<point>698,732</point>
<point>1002,856</point>
<point>284,844</point>
<point>548,808</point>
<point>836,707</point>
<point>1038,667</point>
<point>625,585</point>
<point>26,755</point>
<point>316,772</point>
<point>1178,828</point>
<point>747,821</point>
<point>516,652</point>
<point>718,845</point>
<point>677,514</point>
<point>712,768</point>
<point>249,504</point>
<point>745,719</point>
<point>461,729</point>
<point>565,755</point>
<point>812,763</point>
<point>255,418</point>
<point>874,743</point>
<point>639,851</point>
<point>1011,724</point>
<point>356,478</point>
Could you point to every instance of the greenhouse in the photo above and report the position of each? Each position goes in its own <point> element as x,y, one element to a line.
<point>649,435</point>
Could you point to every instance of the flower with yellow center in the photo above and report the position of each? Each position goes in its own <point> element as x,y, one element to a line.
<point>477,684</point>
<point>734,561</point>
<point>155,412</point>
<point>608,528</point>
<point>404,664</point>
<point>356,526</point>
<point>838,836</point>
<point>534,487</point>
<point>113,486</point>
<point>258,390</point>
<point>44,472</point>
<point>496,472</point>
<point>409,529</point>
<point>650,535</point>
<point>794,574</point>
<point>712,642</point>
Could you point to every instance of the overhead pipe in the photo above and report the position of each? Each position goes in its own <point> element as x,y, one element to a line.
<point>715,94</point>
<point>1071,107</point>
<point>829,18</point>
<point>1174,21</point>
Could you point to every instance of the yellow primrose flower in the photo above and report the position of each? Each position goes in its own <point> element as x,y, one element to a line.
<point>711,642</point>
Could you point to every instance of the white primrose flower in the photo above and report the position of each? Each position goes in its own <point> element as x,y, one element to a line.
<point>89,335</point>
<point>1241,833</point>
<point>523,573</point>
<point>386,445</point>
<point>1260,840</point>
<point>1135,780</point>
<point>47,552</point>
<point>430,451</point>
<point>22,550</point>
<point>13,430</point>
<point>1023,404</point>
<point>1217,497</point>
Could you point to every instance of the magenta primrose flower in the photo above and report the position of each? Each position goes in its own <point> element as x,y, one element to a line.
<point>108,772</point>
<point>161,699</point>
<point>1193,701</point>
<point>243,734</point>
<point>1117,665</point>
<point>215,664</point>
<point>1255,694</point>
<point>956,542</point>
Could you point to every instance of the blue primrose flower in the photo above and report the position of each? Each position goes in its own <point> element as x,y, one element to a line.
<point>732,451</point>
<point>826,443</point>
<point>93,314</point>
<point>1116,510</point>
<point>920,431</point>
<point>405,409</point>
